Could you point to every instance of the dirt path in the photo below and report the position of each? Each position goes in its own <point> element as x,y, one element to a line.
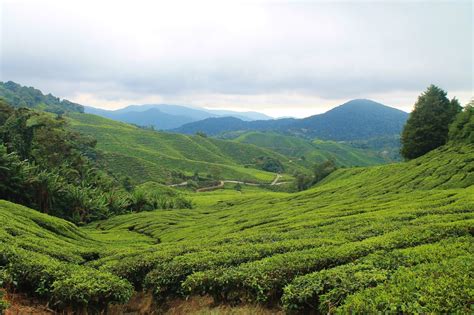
<point>220,185</point>
<point>275,181</point>
<point>222,182</point>
<point>177,185</point>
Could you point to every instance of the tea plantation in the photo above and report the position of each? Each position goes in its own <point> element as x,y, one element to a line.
<point>146,155</point>
<point>392,238</point>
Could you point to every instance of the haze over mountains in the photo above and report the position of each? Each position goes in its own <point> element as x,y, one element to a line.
<point>164,116</point>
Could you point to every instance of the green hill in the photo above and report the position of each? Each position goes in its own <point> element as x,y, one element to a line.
<point>391,238</point>
<point>311,151</point>
<point>146,155</point>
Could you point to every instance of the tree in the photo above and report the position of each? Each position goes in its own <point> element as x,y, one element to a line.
<point>428,124</point>
<point>5,111</point>
<point>238,187</point>
<point>323,169</point>
<point>462,129</point>
<point>303,181</point>
<point>270,164</point>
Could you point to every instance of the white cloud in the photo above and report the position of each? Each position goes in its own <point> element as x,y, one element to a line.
<point>273,56</point>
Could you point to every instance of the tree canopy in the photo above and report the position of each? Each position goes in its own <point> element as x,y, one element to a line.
<point>428,125</point>
<point>462,128</point>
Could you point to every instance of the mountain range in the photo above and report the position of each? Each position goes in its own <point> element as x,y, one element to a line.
<point>165,116</point>
<point>354,120</point>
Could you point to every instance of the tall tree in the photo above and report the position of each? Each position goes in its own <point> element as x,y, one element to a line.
<point>428,125</point>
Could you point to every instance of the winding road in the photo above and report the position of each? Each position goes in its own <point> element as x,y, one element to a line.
<point>223,182</point>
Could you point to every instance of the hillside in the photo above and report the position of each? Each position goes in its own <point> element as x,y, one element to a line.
<point>163,116</point>
<point>354,120</point>
<point>146,155</point>
<point>22,96</point>
<point>380,239</point>
<point>310,152</point>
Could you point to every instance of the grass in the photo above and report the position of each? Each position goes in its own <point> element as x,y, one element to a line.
<point>390,238</point>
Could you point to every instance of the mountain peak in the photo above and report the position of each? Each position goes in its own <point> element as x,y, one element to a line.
<point>362,104</point>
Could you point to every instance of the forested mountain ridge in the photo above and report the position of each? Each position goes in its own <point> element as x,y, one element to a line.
<point>355,120</point>
<point>21,96</point>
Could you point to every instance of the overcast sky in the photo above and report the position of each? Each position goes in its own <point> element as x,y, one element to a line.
<point>283,58</point>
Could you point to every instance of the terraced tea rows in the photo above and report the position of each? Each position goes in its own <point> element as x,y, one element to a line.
<point>399,236</point>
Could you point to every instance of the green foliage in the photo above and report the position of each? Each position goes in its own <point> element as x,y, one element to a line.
<point>462,128</point>
<point>3,303</point>
<point>303,181</point>
<point>152,196</point>
<point>320,171</point>
<point>428,124</point>
<point>269,164</point>
<point>323,169</point>
<point>5,111</point>
<point>441,287</point>
<point>63,283</point>
<point>201,134</point>
<point>238,187</point>
<point>326,289</point>
<point>22,96</point>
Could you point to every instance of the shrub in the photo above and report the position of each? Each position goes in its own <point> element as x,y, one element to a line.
<point>442,287</point>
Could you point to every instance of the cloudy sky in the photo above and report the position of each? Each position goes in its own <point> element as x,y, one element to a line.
<point>283,58</point>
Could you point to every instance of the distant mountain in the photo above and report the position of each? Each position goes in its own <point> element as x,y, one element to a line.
<point>354,120</point>
<point>216,126</point>
<point>248,116</point>
<point>22,96</point>
<point>164,116</point>
<point>148,117</point>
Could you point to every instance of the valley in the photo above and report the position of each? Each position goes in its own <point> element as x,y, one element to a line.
<point>100,216</point>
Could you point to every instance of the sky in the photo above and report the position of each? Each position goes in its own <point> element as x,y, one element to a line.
<point>282,58</point>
